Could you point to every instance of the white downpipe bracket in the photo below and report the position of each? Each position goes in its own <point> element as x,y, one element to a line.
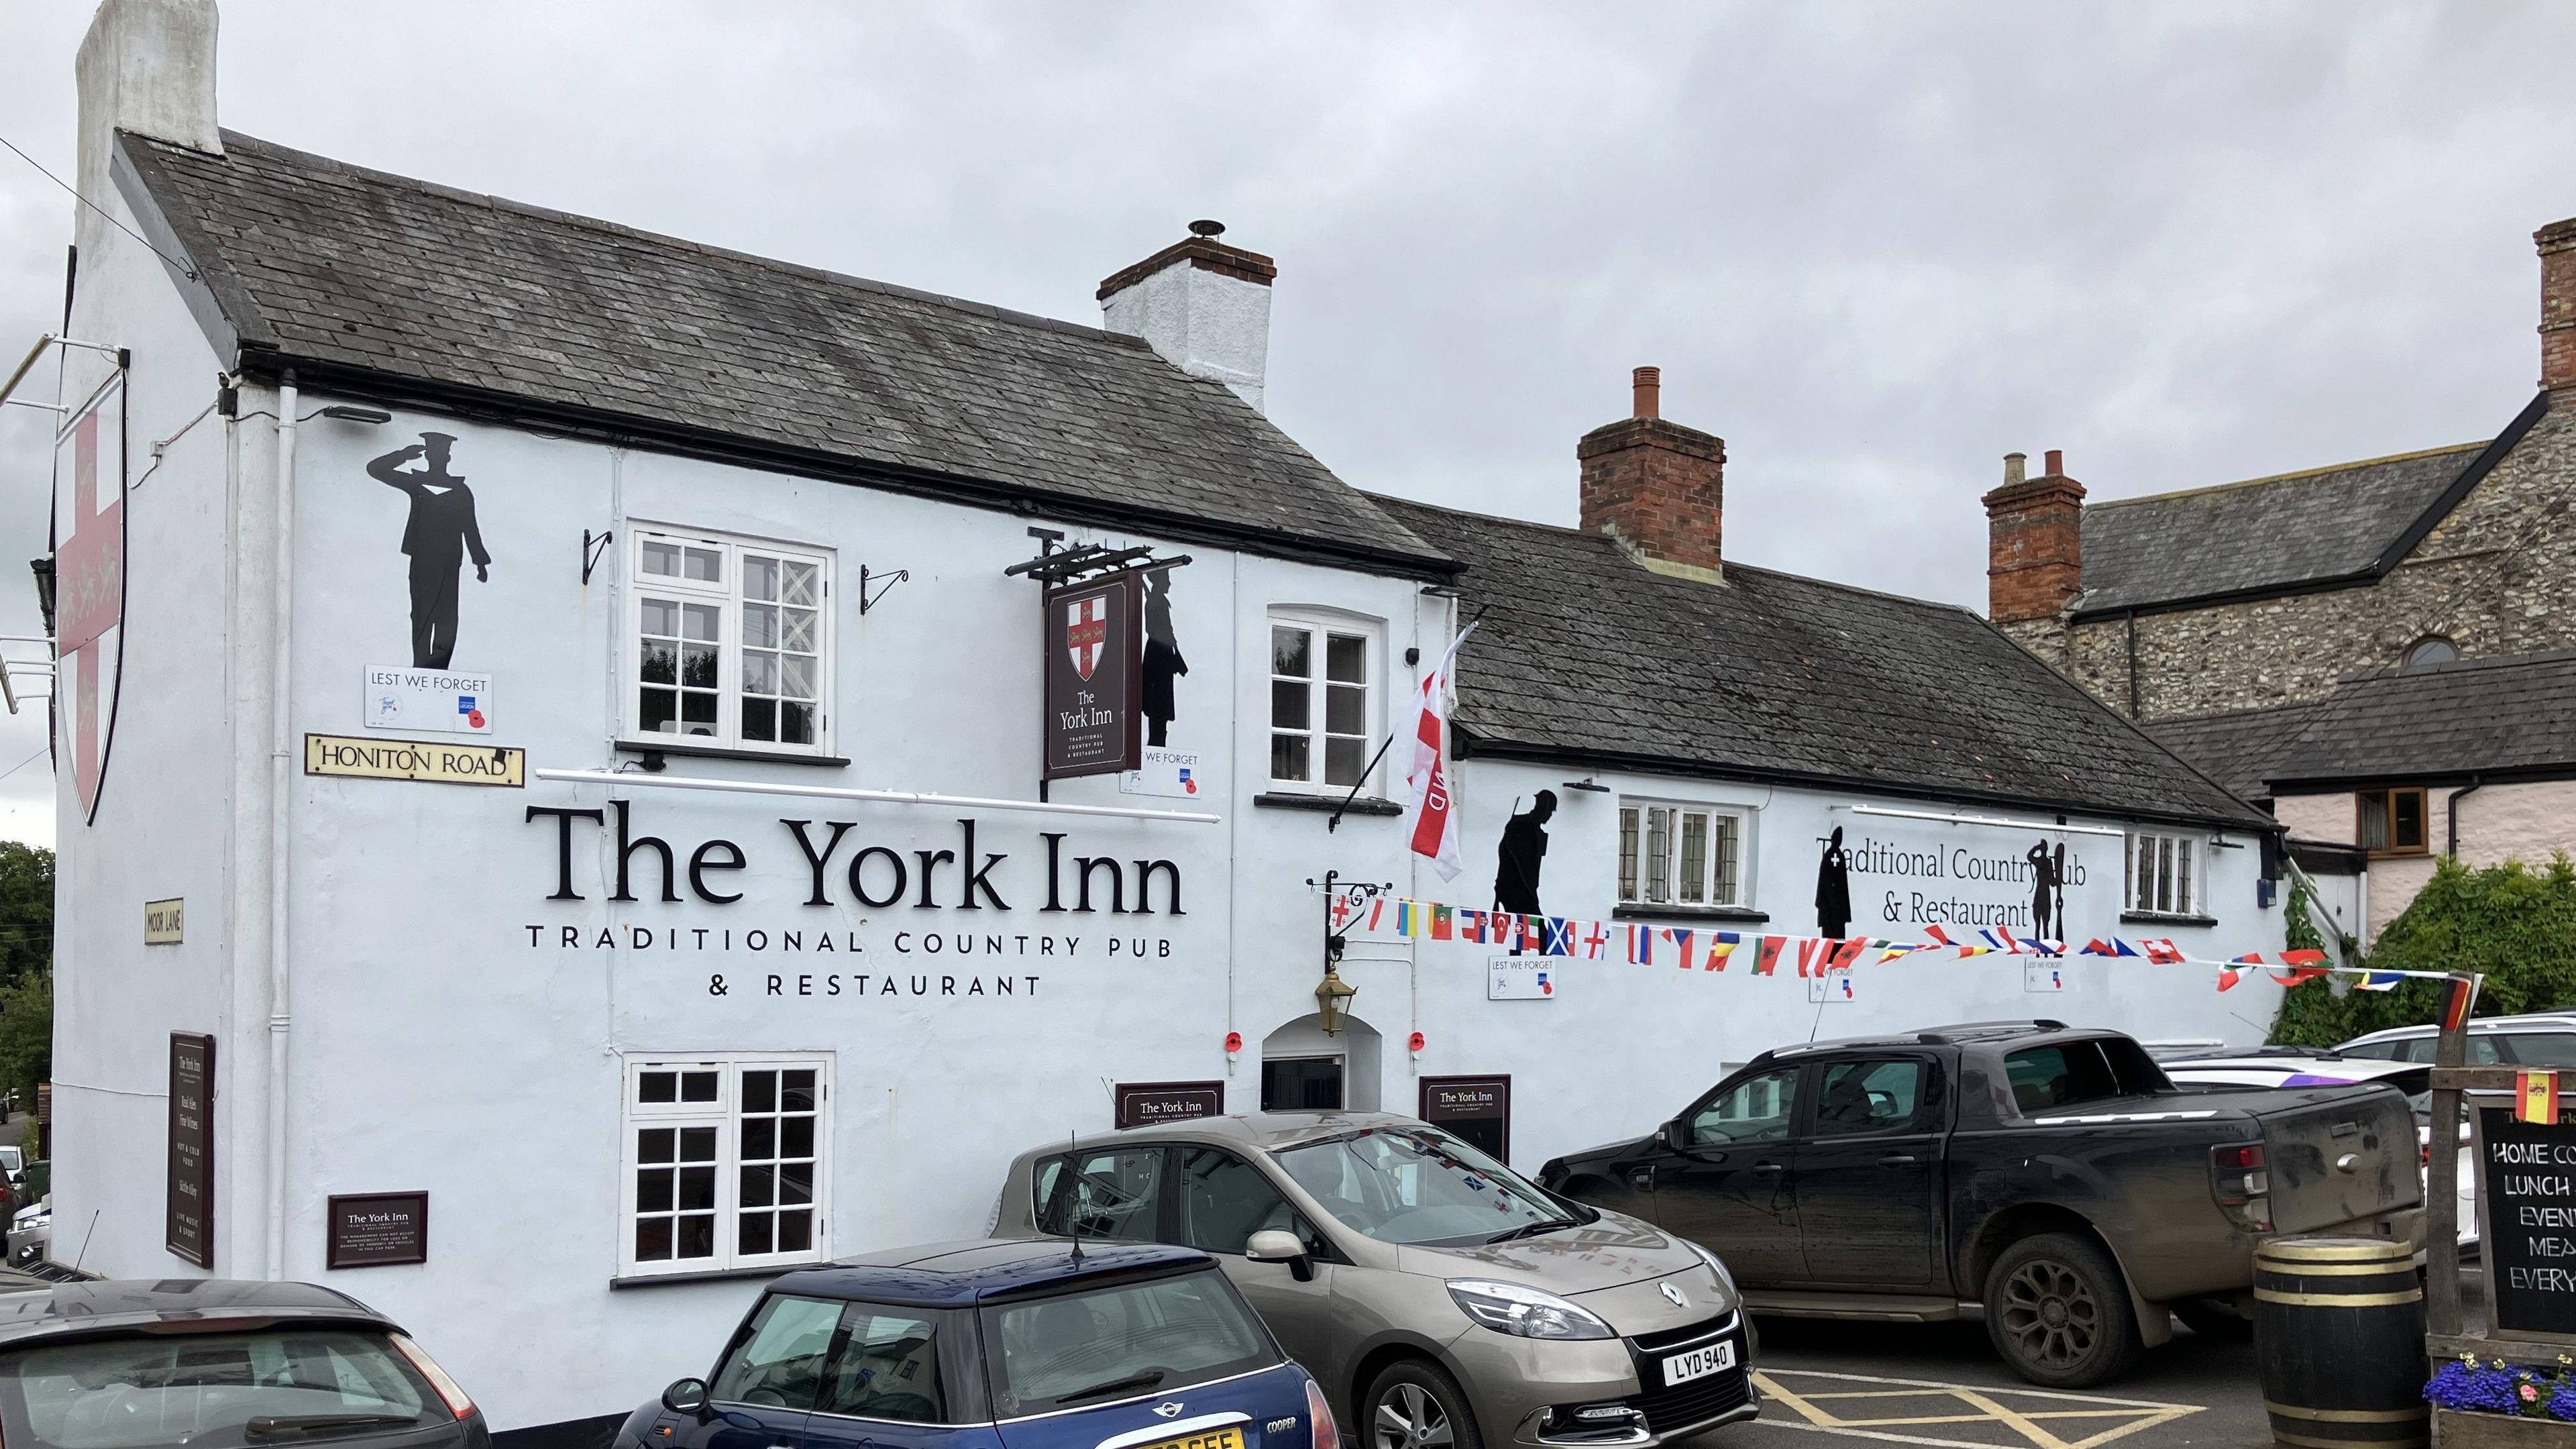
<point>280,825</point>
<point>883,797</point>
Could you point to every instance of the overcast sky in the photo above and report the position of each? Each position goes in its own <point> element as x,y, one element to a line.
<point>1874,247</point>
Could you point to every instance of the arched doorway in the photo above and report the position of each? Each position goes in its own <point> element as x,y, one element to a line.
<point>1303,1070</point>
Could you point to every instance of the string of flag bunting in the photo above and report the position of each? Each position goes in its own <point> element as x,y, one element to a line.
<point>1693,949</point>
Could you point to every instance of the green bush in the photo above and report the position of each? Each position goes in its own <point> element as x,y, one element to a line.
<point>26,1038</point>
<point>2511,923</point>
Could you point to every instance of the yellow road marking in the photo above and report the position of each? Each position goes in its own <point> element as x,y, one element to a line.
<point>1988,1408</point>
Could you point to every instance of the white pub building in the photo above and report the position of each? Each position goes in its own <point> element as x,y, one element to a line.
<point>595,768</point>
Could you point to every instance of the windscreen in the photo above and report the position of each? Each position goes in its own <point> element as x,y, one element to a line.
<point>1106,1344</point>
<point>213,1391</point>
<point>1416,1185</point>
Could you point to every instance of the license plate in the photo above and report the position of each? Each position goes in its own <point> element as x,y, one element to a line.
<point>1213,1439</point>
<point>1681,1368</point>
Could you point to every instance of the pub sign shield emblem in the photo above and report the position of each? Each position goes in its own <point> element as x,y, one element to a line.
<point>89,575</point>
<point>1086,633</point>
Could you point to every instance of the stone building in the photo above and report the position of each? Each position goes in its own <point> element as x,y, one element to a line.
<point>2257,626</point>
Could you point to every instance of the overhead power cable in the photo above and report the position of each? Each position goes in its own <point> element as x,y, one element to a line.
<point>178,262</point>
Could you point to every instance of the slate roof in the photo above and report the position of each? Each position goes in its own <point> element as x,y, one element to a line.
<point>2238,750</point>
<point>2507,715</point>
<point>408,290</point>
<point>2261,535</point>
<point>1588,655</point>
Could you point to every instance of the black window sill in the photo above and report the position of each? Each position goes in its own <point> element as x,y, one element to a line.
<point>718,1275</point>
<point>1742,915</point>
<point>722,752</point>
<point>2164,918</point>
<point>1364,805</point>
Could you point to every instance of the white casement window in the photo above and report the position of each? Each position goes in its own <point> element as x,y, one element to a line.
<point>724,1163</point>
<point>2163,875</point>
<point>1674,854</point>
<point>729,643</point>
<point>1323,699</point>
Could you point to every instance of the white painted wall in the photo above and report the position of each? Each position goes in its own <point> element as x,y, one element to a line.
<point>1208,324</point>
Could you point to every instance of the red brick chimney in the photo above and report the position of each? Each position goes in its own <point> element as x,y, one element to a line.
<point>2034,542</point>
<point>2557,242</point>
<point>1656,486</point>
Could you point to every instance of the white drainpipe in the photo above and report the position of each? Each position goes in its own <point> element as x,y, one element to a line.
<point>280,832</point>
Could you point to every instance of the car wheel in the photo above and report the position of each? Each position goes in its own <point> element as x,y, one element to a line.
<point>2058,1311</point>
<point>2212,1322</point>
<point>1416,1405</point>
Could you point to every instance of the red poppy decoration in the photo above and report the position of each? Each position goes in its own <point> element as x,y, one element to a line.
<point>1233,1042</point>
<point>1416,1043</point>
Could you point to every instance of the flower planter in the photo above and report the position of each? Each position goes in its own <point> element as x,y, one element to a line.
<point>2468,1429</point>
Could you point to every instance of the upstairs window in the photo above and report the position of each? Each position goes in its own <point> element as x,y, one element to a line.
<point>2431,649</point>
<point>2392,822</point>
<point>1679,855</point>
<point>729,643</point>
<point>1323,705</point>
<point>2163,875</point>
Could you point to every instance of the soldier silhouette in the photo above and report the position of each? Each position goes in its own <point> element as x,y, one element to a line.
<point>1833,887</point>
<point>1163,659</point>
<point>439,534</point>
<point>1523,850</point>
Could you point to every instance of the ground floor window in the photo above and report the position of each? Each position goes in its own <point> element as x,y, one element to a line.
<point>724,1162</point>
<point>1684,855</point>
<point>2163,876</point>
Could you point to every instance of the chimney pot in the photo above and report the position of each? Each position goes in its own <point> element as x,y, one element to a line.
<point>2034,542</point>
<point>1657,487</point>
<point>2013,467</point>
<point>1647,384</point>
<point>2056,463</point>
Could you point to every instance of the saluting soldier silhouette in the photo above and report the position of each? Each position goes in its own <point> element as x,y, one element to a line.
<point>438,536</point>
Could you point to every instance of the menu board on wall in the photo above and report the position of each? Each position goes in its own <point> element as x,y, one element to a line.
<point>188,1215</point>
<point>373,1230</point>
<point>1142,1104</point>
<point>1475,1110</point>
<point>2527,1219</point>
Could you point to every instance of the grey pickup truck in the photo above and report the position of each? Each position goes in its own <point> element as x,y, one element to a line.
<point>2053,1177</point>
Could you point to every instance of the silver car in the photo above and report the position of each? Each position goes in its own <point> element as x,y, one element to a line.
<point>1443,1301</point>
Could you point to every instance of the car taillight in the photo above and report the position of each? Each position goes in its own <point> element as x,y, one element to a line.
<point>457,1402</point>
<point>2239,1183</point>
<point>1319,1417</point>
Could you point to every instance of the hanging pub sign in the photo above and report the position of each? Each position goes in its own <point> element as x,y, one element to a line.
<point>1142,1104</point>
<point>189,1209</point>
<point>2526,1177</point>
<point>1475,1110</point>
<point>1094,689</point>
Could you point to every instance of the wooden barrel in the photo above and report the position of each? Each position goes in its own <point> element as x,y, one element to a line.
<point>2339,1329</point>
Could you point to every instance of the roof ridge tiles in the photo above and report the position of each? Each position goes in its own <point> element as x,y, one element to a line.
<point>2458,666</point>
<point>2293,477</point>
<point>257,146</point>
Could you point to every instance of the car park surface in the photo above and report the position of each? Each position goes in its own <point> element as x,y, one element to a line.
<point>2055,1176</point>
<point>1437,1295</point>
<point>1026,1344</point>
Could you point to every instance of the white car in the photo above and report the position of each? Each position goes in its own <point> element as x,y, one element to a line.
<point>2545,1039</point>
<point>2290,1067</point>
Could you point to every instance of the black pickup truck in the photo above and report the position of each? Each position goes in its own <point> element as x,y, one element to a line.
<point>2053,1176</point>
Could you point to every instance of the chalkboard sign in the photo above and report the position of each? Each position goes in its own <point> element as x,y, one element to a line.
<point>2527,1218</point>
<point>1142,1104</point>
<point>188,1213</point>
<point>379,1228</point>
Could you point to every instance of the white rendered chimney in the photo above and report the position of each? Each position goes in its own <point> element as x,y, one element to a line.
<point>1203,305</point>
<point>146,66</point>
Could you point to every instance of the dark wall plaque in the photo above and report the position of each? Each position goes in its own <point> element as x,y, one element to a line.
<point>2527,1218</point>
<point>188,1216</point>
<point>371,1230</point>
<point>1475,1110</point>
<point>1142,1104</point>
<point>1094,682</point>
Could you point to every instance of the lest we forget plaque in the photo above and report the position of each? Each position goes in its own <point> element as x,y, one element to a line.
<point>379,1229</point>
<point>188,1212</point>
<point>2527,1218</point>
<point>1142,1104</point>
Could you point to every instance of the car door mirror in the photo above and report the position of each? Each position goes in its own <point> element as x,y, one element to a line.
<point>1674,1135</point>
<point>1277,1245</point>
<point>688,1396</point>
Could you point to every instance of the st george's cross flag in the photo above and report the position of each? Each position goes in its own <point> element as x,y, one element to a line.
<point>1433,811</point>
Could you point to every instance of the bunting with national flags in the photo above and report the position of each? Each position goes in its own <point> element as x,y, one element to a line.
<point>1707,951</point>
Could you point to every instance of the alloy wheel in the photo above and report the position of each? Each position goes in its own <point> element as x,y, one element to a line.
<point>2050,1314</point>
<point>1410,1417</point>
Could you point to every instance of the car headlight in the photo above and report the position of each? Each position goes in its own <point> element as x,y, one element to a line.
<point>1524,1312</point>
<point>1714,1266</point>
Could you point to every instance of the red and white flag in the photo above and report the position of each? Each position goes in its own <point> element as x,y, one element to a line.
<point>1434,812</point>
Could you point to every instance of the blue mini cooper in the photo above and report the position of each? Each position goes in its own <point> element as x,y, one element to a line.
<point>997,1345</point>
